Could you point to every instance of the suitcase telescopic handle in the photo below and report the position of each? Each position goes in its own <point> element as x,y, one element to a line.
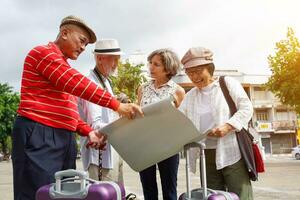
<point>199,145</point>
<point>70,173</point>
<point>203,180</point>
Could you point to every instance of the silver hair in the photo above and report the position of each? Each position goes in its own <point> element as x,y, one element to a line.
<point>169,60</point>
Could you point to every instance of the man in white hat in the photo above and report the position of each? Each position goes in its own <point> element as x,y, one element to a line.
<point>108,165</point>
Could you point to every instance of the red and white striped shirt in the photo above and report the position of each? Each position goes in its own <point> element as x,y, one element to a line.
<point>48,86</point>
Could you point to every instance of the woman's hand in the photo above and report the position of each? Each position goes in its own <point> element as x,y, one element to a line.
<point>221,131</point>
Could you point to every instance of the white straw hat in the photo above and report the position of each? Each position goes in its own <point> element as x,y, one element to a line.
<point>107,47</point>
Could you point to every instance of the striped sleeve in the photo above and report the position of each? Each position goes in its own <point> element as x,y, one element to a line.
<point>69,80</point>
<point>83,128</point>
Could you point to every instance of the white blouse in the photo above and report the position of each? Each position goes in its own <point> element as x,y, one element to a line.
<point>205,113</point>
<point>227,149</point>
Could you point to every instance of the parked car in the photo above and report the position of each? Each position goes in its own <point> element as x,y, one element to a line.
<point>296,152</point>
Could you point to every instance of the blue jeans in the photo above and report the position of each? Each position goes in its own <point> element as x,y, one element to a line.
<point>168,174</point>
<point>38,152</point>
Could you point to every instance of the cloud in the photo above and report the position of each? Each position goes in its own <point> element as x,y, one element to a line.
<point>241,33</point>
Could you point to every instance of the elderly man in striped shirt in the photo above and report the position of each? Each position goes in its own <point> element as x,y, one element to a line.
<point>43,139</point>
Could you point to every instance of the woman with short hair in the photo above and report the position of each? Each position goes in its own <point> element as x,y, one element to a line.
<point>163,65</point>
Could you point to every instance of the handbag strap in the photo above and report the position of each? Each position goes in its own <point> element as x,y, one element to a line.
<point>100,167</point>
<point>227,96</point>
<point>229,100</point>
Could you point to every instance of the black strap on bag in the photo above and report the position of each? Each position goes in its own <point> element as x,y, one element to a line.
<point>100,78</point>
<point>244,138</point>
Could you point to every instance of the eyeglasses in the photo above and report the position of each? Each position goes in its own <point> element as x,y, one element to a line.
<point>191,71</point>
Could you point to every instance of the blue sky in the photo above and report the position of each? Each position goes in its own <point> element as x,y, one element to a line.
<point>241,33</point>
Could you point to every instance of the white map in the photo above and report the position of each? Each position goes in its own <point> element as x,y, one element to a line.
<point>160,134</point>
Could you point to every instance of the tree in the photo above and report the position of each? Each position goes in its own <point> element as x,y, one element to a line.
<point>9,102</point>
<point>128,80</point>
<point>285,66</point>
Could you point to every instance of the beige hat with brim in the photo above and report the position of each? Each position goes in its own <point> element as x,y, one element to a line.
<point>79,22</point>
<point>197,56</point>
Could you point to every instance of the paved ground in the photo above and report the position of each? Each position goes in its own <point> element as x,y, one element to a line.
<point>280,181</point>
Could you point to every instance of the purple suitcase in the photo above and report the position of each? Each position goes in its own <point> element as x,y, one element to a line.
<point>79,186</point>
<point>202,193</point>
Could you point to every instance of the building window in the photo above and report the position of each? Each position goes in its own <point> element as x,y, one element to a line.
<point>258,89</point>
<point>260,94</point>
<point>282,115</point>
<point>262,115</point>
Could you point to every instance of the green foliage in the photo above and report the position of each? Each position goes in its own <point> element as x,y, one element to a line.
<point>128,80</point>
<point>285,67</point>
<point>9,102</point>
<point>6,146</point>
